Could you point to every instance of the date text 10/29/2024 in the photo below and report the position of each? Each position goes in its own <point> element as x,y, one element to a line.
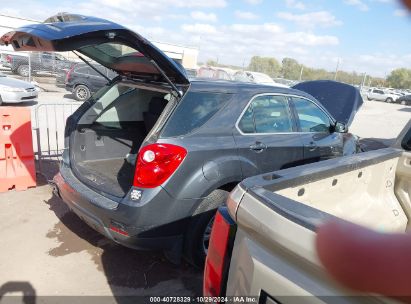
<point>234,299</point>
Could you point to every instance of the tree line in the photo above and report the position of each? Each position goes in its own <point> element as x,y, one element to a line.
<point>291,69</point>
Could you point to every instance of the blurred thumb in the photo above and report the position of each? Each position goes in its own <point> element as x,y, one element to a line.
<point>365,260</point>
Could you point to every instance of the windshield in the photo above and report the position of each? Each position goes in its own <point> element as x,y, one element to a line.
<point>111,50</point>
<point>120,57</point>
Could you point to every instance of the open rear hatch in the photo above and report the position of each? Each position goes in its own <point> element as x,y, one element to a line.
<point>105,134</point>
<point>106,42</point>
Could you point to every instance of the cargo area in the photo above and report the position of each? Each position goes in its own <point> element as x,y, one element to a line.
<point>379,193</point>
<point>108,136</point>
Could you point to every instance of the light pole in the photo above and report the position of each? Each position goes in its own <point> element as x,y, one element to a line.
<point>363,81</point>
<point>336,69</point>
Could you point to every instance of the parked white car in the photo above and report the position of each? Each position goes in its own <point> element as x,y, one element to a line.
<point>382,95</point>
<point>16,91</point>
<point>256,77</point>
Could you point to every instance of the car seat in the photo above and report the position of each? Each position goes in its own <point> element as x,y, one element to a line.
<point>155,108</point>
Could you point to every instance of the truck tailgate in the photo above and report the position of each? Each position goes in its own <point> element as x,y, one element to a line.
<point>274,253</point>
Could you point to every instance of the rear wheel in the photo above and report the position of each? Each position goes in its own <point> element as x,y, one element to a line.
<point>389,100</point>
<point>404,102</point>
<point>199,229</point>
<point>23,70</point>
<point>81,92</point>
<point>1,101</point>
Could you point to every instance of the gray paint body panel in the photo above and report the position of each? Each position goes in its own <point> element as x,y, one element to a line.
<point>217,155</point>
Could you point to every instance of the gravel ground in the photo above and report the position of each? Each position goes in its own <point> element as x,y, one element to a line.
<point>46,250</point>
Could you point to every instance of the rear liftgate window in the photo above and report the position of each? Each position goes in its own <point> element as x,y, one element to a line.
<point>194,110</point>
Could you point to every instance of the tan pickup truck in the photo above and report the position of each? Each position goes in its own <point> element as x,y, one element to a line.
<point>263,241</point>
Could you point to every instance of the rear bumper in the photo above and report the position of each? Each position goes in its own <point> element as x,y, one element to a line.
<point>6,64</point>
<point>151,226</point>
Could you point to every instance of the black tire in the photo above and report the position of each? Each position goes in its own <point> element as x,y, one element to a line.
<point>23,70</point>
<point>389,100</point>
<point>1,101</point>
<point>404,103</point>
<point>81,92</point>
<point>369,98</point>
<point>200,225</point>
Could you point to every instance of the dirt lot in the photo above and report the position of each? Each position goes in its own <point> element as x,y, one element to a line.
<point>48,251</point>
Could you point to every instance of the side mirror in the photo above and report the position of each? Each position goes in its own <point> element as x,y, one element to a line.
<point>340,127</point>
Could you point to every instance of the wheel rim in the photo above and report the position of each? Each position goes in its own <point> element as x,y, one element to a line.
<point>207,235</point>
<point>24,71</point>
<point>81,93</point>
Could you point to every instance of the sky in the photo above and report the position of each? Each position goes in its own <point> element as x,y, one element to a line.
<point>366,36</point>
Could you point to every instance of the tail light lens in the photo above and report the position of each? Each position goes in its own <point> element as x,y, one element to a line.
<point>68,75</point>
<point>219,253</point>
<point>8,58</point>
<point>156,163</point>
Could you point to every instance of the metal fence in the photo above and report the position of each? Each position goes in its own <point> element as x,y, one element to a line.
<point>29,65</point>
<point>48,127</point>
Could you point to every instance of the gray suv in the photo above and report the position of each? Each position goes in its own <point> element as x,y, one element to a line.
<point>152,155</point>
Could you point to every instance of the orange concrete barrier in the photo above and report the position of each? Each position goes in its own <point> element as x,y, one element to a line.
<point>17,168</point>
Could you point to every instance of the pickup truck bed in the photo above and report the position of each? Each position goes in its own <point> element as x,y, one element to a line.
<point>272,253</point>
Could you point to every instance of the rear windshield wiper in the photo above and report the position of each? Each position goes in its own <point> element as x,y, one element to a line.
<point>91,66</point>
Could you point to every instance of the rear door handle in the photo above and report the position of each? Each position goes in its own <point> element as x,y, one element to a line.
<point>258,147</point>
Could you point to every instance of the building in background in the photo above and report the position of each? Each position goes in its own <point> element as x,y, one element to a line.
<point>187,56</point>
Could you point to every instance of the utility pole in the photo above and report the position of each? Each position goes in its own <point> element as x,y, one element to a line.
<point>29,66</point>
<point>363,81</point>
<point>301,72</point>
<point>336,69</point>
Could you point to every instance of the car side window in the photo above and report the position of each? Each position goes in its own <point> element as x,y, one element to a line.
<point>82,70</point>
<point>311,117</point>
<point>101,69</point>
<point>267,114</point>
<point>194,111</point>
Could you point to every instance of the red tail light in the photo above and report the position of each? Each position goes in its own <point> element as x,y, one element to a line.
<point>219,253</point>
<point>8,58</point>
<point>68,75</point>
<point>156,163</point>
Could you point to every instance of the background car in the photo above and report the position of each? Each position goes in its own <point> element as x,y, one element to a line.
<point>382,95</point>
<point>191,73</point>
<point>405,100</point>
<point>215,73</point>
<point>16,91</point>
<point>36,61</point>
<point>256,77</point>
<point>83,81</point>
